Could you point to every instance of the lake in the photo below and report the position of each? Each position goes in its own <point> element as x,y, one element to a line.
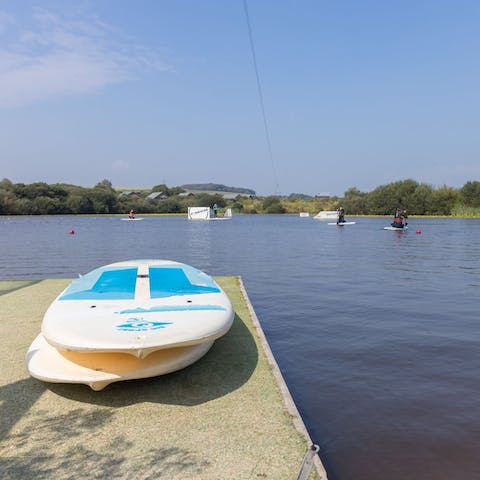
<point>377,333</point>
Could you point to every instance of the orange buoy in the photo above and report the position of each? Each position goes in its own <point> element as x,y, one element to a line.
<point>72,231</point>
<point>418,232</point>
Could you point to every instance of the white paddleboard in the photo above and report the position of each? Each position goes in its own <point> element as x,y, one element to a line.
<point>343,223</point>
<point>138,307</point>
<point>97,370</point>
<point>132,219</point>
<point>396,229</point>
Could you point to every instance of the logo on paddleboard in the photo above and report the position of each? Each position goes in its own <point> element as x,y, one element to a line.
<point>139,324</point>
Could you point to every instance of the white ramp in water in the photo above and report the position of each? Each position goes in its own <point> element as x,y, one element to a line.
<point>326,215</point>
<point>207,214</point>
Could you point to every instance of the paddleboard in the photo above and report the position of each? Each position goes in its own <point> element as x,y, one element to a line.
<point>396,229</point>
<point>132,219</point>
<point>343,223</point>
<point>97,370</point>
<point>138,307</point>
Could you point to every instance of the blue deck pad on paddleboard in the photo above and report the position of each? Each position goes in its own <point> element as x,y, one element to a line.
<point>119,283</point>
<point>166,281</point>
<point>104,284</point>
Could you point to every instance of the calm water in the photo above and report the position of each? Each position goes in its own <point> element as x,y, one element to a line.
<point>376,333</point>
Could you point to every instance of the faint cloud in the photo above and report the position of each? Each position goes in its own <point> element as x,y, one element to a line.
<point>121,165</point>
<point>5,21</point>
<point>60,55</point>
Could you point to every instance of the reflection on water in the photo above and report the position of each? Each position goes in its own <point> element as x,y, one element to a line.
<point>201,242</point>
<point>376,332</point>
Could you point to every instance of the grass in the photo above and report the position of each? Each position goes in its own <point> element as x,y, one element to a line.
<point>222,418</point>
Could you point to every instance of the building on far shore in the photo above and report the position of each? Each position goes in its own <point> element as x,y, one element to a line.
<point>157,196</point>
<point>131,193</point>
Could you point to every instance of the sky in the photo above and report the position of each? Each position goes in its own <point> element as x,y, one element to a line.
<point>355,93</point>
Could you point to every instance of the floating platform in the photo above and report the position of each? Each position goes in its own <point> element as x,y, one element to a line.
<point>229,415</point>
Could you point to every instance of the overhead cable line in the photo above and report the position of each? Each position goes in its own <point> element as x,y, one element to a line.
<point>260,95</point>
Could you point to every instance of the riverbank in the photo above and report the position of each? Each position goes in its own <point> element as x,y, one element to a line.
<point>227,416</point>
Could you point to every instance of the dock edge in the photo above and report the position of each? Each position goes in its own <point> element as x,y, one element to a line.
<point>285,392</point>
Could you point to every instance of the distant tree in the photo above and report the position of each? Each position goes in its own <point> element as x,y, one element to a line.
<point>169,192</point>
<point>18,190</point>
<point>161,188</point>
<point>470,194</point>
<point>47,206</point>
<point>444,200</point>
<point>39,189</point>
<point>169,205</point>
<point>6,185</point>
<point>380,201</point>
<point>237,206</point>
<point>24,206</point>
<point>175,191</point>
<point>104,197</point>
<point>77,203</point>
<point>272,204</point>
<point>58,191</point>
<point>354,201</point>
<point>386,198</point>
<point>421,201</point>
<point>104,184</point>
<point>405,189</point>
<point>203,200</point>
<point>7,202</point>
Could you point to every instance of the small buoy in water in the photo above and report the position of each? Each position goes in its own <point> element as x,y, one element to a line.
<point>418,232</point>
<point>72,231</point>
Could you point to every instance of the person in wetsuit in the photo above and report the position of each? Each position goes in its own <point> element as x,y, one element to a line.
<point>341,215</point>
<point>398,218</point>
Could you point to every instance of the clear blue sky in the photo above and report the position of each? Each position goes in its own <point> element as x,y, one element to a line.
<point>356,93</point>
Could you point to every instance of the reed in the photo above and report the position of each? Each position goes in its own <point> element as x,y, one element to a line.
<point>466,212</point>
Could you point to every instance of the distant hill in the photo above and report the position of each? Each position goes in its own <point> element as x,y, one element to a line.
<point>216,187</point>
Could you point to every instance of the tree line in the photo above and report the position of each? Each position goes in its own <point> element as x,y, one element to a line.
<point>40,198</point>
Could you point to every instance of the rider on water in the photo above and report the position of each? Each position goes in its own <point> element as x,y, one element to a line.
<point>341,215</point>
<point>131,214</point>
<point>398,218</point>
